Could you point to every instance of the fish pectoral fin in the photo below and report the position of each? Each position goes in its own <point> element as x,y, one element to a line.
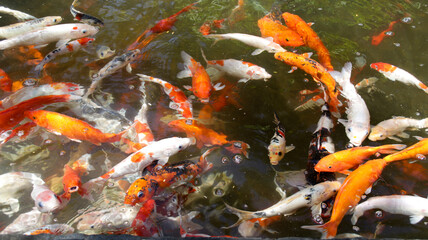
<point>62,42</point>
<point>271,231</point>
<point>316,211</point>
<point>416,218</point>
<point>368,190</point>
<point>184,74</point>
<point>40,46</point>
<point>188,88</point>
<point>395,139</point>
<point>281,192</point>
<point>418,138</point>
<point>163,161</point>
<point>257,52</point>
<point>289,148</point>
<point>218,86</point>
<point>243,80</point>
<point>129,68</point>
<point>403,135</point>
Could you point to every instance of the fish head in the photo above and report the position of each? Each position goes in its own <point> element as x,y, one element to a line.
<point>85,41</point>
<point>327,164</point>
<point>259,73</point>
<point>131,55</point>
<point>174,145</point>
<point>82,30</point>
<point>276,154</point>
<point>52,20</point>
<point>377,133</point>
<point>250,228</point>
<point>90,221</point>
<point>140,191</point>
<point>274,48</point>
<point>33,115</point>
<point>47,201</point>
<point>357,134</point>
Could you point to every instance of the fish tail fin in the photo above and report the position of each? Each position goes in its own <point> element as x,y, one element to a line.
<point>328,230</point>
<point>391,148</point>
<point>423,123</point>
<point>238,147</point>
<point>241,214</point>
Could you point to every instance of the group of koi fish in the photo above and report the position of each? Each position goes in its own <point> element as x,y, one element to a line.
<point>154,180</point>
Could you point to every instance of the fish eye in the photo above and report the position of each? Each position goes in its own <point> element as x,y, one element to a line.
<point>90,41</point>
<point>349,129</point>
<point>84,31</point>
<point>329,167</point>
<point>92,226</point>
<point>40,204</point>
<point>140,194</point>
<point>34,117</point>
<point>279,153</point>
<point>102,54</point>
<point>54,20</point>
<point>180,147</point>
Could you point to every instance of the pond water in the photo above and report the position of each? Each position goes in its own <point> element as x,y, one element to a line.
<point>346,29</point>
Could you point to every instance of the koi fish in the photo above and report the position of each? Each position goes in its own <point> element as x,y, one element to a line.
<point>414,206</point>
<point>111,67</point>
<point>29,220</point>
<point>66,48</point>
<point>71,179</point>
<point>377,39</point>
<point>142,224</point>
<point>309,197</point>
<point>104,52</point>
<point>277,148</point>
<point>237,14</point>
<point>21,131</point>
<point>24,27</point>
<point>262,44</point>
<point>50,34</point>
<point>417,151</point>
<point>396,126</point>
<point>255,226</point>
<point>320,146</point>
<point>357,126</point>
<point>54,229</point>
<point>318,72</point>
<point>72,128</point>
<point>46,200</point>
<point>366,83</point>
<point>5,81</point>
<point>309,36</point>
<point>85,18</point>
<point>21,16</point>
<point>394,73</point>
<point>206,27</point>
<point>15,114</point>
<point>201,82</point>
<point>179,99</point>
<point>280,33</point>
<point>208,137</point>
<point>346,159</point>
<point>245,71</point>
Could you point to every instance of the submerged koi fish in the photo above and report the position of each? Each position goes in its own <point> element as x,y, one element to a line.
<point>346,159</point>
<point>54,229</point>
<point>71,179</point>
<point>394,73</point>
<point>254,227</point>
<point>70,127</point>
<point>50,34</point>
<point>277,147</point>
<point>309,36</point>
<point>143,189</point>
<point>85,18</point>
<point>318,72</point>
<point>414,206</point>
<point>208,137</point>
<point>376,40</point>
<point>181,103</point>
<point>5,81</point>
<point>280,33</point>
<point>66,48</point>
<point>396,126</point>
<point>201,82</point>
<point>262,44</point>
<point>25,27</point>
<point>29,220</point>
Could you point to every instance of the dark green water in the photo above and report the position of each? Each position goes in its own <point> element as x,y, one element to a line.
<point>345,27</point>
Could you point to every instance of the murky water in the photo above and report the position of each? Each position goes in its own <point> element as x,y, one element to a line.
<point>345,27</point>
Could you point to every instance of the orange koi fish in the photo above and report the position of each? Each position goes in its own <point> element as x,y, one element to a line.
<point>417,151</point>
<point>5,81</point>
<point>208,137</point>
<point>280,33</point>
<point>72,128</point>
<point>71,179</point>
<point>201,82</point>
<point>206,27</point>
<point>142,224</point>
<point>377,39</point>
<point>15,114</point>
<point>317,71</point>
<point>346,159</point>
<point>143,189</point>
<point>309,36</point>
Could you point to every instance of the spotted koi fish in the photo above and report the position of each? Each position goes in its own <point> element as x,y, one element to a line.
<point>277,148</point>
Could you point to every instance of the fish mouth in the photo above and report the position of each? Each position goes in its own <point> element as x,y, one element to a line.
<point>274,163</point>
<point>205,100</point>
<point>73,189</point>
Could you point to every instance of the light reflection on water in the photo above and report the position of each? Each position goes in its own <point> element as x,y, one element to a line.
<point>345,27</point>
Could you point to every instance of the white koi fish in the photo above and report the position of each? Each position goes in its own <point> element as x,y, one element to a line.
<point>111,67</point>
<point>29,220</point>
<point>50,34</point>
<point>277,148</point>
<point>29,26</point>
<point>358,124</point>
<point>262,44</point>
<point>414,206</point>
<point>245,71</point>
<point>66,48</point>
<point>54,229</point>
<point>394,73</point>
<point>21,16</point>
<point>396,126</point>
<point>309,197</point>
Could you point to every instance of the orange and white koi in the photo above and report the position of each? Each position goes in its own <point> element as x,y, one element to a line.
<point>377,39</point>
<point>277,147</point>
<point>350,158</point>
<point>396,126</point>
<point>180,101</point>
<point>318,73</point>
<point>54,229</point>
<point>245,71</point>
<point>29,220</point>
<point>24,27</point>
<point>71,179</point>
<point>50,34</point>
<point>254,227</point>
<point>366,83</point>
<point>66,48</point>
<point>262,44</point>
<point>201,82</point>
<point>394,73</point>
<point>309,36</point>
<point>70,127</point>
<point>5,81</point>
<point>208,137</point>
<point>281,34</point>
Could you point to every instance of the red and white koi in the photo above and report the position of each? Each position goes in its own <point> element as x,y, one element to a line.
<point>71,46</point>
<point>45,199</point>
<point>262,44</point>
<point>25,27</point>
<point>277,147</point>
<point>396,126</point>
<point>29,220</point>
<point>50,34</point>
<point>54,229</point>
<point>357,126</point>
<point>394,73</point>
